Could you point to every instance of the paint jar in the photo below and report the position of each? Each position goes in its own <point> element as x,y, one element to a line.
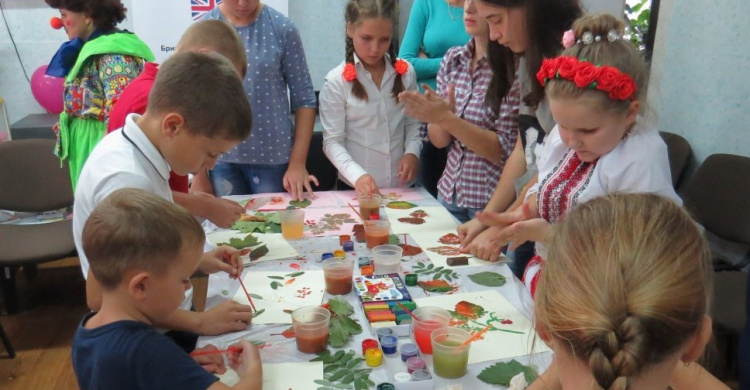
<point>450,356</point>
<point>369,206</point>
<point>389,344</point>
<point>363,261</point>
<point>383,332</point>
<point>374,357</point>
<point>344,238</point>
<point>348,246</point>
<point>366,270</point>
<point>338,274</point>
<point>420,375</point>
<point>429,319</point>
<point>326,256</point>
<point>385,386</point>
<point>368,344</point>
<point>409,350</point>
<point>376,233</point>
<point>310,325</point>
<point>387,259</point>
<point>414,363</point>
<point>292,223</point>
<point>401,377</point>
<point>411,280</point>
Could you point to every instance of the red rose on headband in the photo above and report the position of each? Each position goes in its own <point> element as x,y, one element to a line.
<point>350,72</point>
<point>568,67</point>
<point>586,74</point>
<point>401,67</point>
<point>624,89</point>
<point>608,78</point>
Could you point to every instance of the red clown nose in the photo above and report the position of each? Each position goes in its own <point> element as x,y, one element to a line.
<point>56,23</point>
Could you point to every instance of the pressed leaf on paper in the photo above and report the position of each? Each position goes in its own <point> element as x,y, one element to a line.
<point>487,278</point>
<point>258,252</point>
<point>400,205</point>
<point>502,373</point>
<point>445,250</point>
<point>438,286</point>
<point>300,204</point>
<point>450,239</point>
<point>237,243</point>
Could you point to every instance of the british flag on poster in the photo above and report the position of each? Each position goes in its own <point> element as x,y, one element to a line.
<point>201,7</point>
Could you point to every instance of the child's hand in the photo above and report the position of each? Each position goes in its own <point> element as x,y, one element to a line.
<point>228,316</point>
<point>430,107</point>
<point>224,258</point>
<point>485,245</point>
<point>365,185</point>
<point>407,169</point>
<point>297,180</point>
<point>222,212</point>
<point>467,231</point>
<point>212,363</point>
<point>246,361</point>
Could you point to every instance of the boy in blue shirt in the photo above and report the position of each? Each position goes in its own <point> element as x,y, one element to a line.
<point>142,250</point>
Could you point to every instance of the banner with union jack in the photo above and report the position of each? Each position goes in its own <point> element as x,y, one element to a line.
<point>199,8</point>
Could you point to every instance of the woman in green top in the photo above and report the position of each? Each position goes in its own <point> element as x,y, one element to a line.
<point>434,27</point>
<point>98,63</point>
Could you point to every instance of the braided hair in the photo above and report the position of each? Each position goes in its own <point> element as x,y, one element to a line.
<point>359,10</point>
<point>625,285</point>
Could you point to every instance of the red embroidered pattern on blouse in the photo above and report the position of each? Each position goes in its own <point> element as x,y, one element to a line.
<point>559,191</point>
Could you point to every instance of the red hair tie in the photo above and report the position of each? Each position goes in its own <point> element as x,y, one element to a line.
<point>350,72</point>
<point>401,66</point>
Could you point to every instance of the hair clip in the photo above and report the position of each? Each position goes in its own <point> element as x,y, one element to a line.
<point>612,35</point>
<point>587,38</point>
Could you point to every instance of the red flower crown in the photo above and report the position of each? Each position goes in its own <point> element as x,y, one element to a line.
<point>586,75</point>
<point>350,72</point>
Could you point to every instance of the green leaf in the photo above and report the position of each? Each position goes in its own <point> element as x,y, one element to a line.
<point>275,285</point>
<point>430,266</point>
<point>338,335</point>
<point>256,296</point>
<point>258,252</point>
<point>342,386</point>
<point>300,204</point>
<point>348,378</point>
<point>352,326</point>
<point>502,373</point>
<point>487,278</point>
<point>276,277</point>
<point>273,218</point>
<point>295,274</point>
<point>448,278</point>
<point>242,243</point>
<point>360,384</point>
<point>323,382</point>
<point>338,375</point>
<point>393,239</point>
<point>258,312</point>
<point>341,307</point>
<point>249,226</point>
<point>353,363</point>
<point>400,205</point>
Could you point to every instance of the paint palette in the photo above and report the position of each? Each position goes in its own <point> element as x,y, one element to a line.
<point>380,288</point>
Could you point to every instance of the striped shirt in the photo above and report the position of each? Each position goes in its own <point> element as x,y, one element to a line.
<point>469,176</point>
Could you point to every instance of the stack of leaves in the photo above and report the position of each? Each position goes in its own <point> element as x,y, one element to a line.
<point>341,371</point>
<point>489,279</point>
<point>245,244</point>
<point>502,373</point>
<point>341,327</point>
<point>260,223</point>
<point>439,272</point>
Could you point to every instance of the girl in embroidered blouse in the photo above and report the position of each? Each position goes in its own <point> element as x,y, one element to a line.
<point>599,146</point>
<point>98,63</point>
<point>366,135</point>
<point>648,326</point>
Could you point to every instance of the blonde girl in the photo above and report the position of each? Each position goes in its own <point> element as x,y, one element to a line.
<point>365,133</point>
<point>623,298</point>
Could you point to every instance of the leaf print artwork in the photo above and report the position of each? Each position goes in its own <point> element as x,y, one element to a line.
<point>329,222</point>
<point>400,204</point>
<point>450,239</point>
<point>445,250</point>
<point>437,286</point>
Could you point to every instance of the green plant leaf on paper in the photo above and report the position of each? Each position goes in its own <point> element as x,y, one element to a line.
<point>502,373</point>
<point>393,240</point>
<point>489,279</point>
<point>241,243</point>
<point>295,274</point>
<point>249,226</point>
<point>275,285</point>
<point>258,252</point>
<point>275,277</point>
<point>341,307</point>
<point>255,296</point>
<point>258,312</point>
<point>300,204</point>
<point>400,205</point>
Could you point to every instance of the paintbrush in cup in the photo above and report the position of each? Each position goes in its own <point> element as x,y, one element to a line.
<point>407,310</point>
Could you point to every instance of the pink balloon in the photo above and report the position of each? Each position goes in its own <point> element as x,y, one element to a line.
<point>47,90</point>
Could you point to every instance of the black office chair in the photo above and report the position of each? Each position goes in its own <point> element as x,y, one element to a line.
<point>717,196</point>
<point>319,166</point>
<point>679,155</point>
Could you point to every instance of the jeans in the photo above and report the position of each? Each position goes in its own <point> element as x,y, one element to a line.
<point>462,214</point>
<point>431,165</point>
<point>244,179</point>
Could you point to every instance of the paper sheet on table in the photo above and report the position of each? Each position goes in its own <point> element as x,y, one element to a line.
<point>437,219</point>
<point>293,289</point>
<point>495,344</point>
<point>431,239</point>
<point>280,200</point>
<point>278,247</point>
<point>330,221</point>
<point>282,376</point>
<point>389,195</point>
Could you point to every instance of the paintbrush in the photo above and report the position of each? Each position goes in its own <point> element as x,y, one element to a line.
<point>215,351</point>
<point>228,259</point>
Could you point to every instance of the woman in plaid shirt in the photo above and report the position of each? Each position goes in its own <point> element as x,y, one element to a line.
<point>481,137</point>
